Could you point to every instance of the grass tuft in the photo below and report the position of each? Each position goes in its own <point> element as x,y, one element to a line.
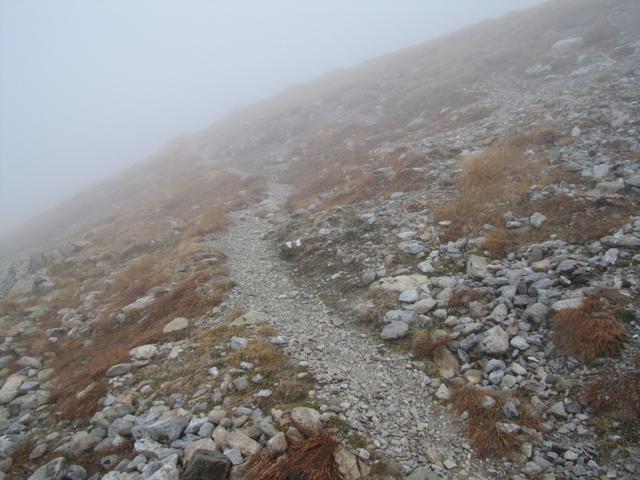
<point>312,459</point>
<point>589,332</point>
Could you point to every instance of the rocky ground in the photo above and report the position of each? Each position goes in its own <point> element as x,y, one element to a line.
<point>436,261</point>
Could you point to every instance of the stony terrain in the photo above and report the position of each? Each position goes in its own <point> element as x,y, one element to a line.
<point>433,257</point>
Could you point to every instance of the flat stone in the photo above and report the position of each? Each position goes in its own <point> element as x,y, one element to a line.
<point>54,470</point>
<point>118,370</point>
<point>206,464</point>
<point>10,389</point>
<point>176,325</point>
<point>143,352</point>
<point>568,303</point>
<point>400,283</point>
<point>394,331</point>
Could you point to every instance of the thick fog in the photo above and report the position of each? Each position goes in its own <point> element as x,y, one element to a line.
<point>88,86</point>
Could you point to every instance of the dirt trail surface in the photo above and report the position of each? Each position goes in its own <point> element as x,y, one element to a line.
<point>380,392</point>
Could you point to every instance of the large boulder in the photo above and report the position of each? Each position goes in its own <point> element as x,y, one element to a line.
<point>206,465</point>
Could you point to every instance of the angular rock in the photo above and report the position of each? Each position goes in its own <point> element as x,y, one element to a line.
<point>206,465</point>
<point>477,266</point>
<point>495,341</point>
<point>307,420</point>
<point>176,325</point>
<point>244,443</point>
<point>54,470</point>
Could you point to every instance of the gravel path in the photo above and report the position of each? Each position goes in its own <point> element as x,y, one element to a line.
<point>379,391</point>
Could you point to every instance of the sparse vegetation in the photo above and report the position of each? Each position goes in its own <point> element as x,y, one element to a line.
<point>312,459</point>
<point>589,332</point>
<point>485,424</point>
<point>424,343</point>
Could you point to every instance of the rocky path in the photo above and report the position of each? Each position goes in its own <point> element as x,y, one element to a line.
<point>380,392</point>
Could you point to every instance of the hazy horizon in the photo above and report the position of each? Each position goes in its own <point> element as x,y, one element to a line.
<point>88,88</point>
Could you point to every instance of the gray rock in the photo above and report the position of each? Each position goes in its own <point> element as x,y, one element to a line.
<point>423,473</point>
<point>519,343</point>
<point>238,343</point>
<point>413,247</point>
<point>54,470</point>
<point>409,296</point>
<point>167,472</point>
<point>167,430</point>
<point>244,443</point>
<point>495,341</point>
<point>558,409</point>
<point>537,220</point>
<point>510,410</point>
<point>568,303</point>
<point>206,465</point>
<point>10,389</point>
<point>76,472</point>
<point>394,331</point>
<point>536,312</point>
<point>176,325</point>
<point>307,420</point>
<point>477,266</point>
<point>119,369</point>
<point>277,444</point>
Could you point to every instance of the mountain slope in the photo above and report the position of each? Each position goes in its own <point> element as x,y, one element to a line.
<point>456,294</point>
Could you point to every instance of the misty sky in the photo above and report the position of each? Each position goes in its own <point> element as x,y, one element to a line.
<point>89,86</point>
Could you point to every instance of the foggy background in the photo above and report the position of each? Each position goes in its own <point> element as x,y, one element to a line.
<point>88,86</point>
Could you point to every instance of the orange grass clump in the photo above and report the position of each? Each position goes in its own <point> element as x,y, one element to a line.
<point>588,332</point>
<point>311,459</point>
<point>483,423</point>
<point>424,344</point>
<point>616,393</point>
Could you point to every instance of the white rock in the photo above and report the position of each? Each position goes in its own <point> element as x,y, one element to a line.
<point>143,352</point>
<point>176,325</point>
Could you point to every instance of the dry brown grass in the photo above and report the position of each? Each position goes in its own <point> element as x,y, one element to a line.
<point>290,391</point>
<point>211,221</point>
<point>77,366</point>
<point>460,299</point>
<point>482,424</point>
<point>263,355</point>
<point>311,459</point>
<point>615,393</point>
<point>589,332</point>
<point>499,180</point>
<point>491,183</point>
<point>265,330</point>
<point>424,344</point>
